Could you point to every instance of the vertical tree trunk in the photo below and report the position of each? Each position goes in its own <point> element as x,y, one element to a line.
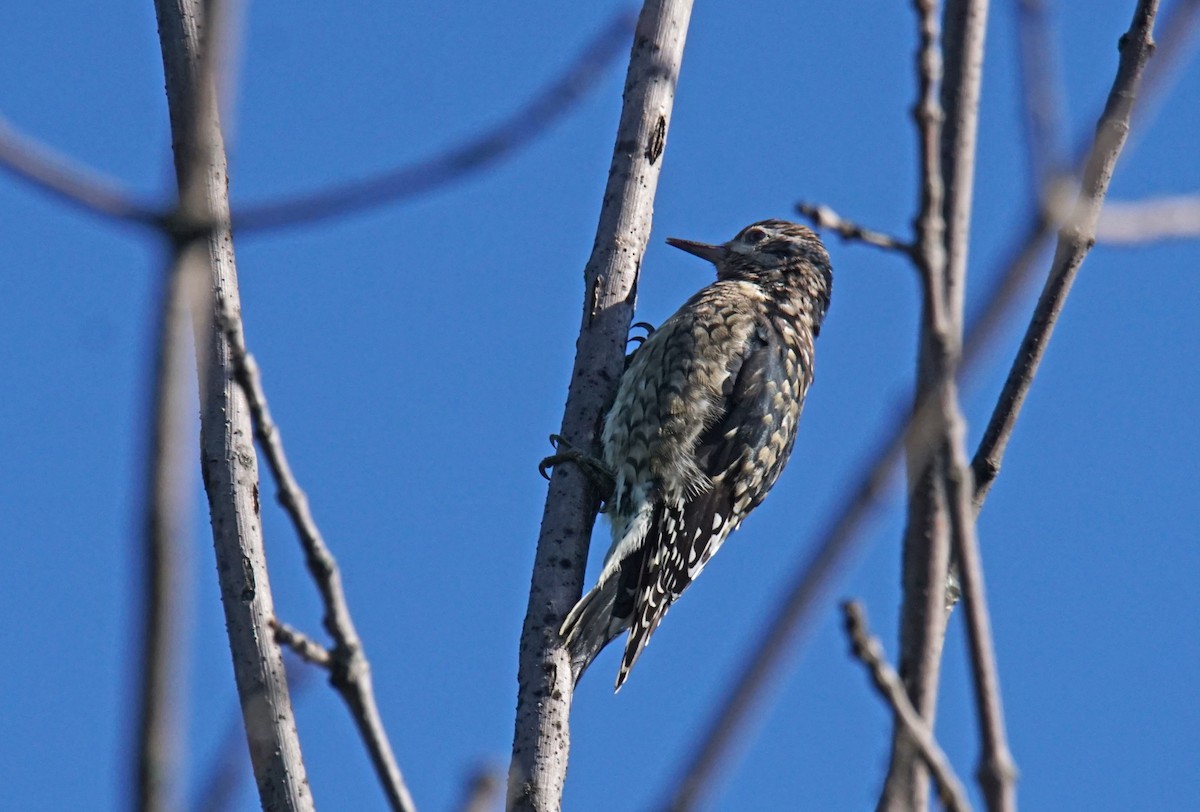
<point>545,683</point>
<point>228,462</point>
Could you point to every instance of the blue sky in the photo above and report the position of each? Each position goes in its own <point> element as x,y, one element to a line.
<point>417,356</point>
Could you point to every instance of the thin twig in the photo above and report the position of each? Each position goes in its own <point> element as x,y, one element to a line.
<point>545,680</point>
<point>869,651</point>
<point>349,669</point>
<point>834,543</point>
<point>302,645</point>
<point>1176,42</point>
<point>481,152</point>
<point>1154,220</point>
<point>997,773</point>
<point>928,115</point>
<point>228,463</point>
<point>965,32</point>
<point>824,217</point>
<point>1075,239</point>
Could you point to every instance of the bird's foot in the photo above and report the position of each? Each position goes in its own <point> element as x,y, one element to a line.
<point>593,468</point>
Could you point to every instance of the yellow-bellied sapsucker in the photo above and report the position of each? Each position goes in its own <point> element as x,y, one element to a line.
<point>703,423</point>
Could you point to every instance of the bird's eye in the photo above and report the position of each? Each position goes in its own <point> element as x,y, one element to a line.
<point>754,235</point>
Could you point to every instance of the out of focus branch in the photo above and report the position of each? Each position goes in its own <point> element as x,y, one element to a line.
<point>869,651</point>
<point>164,548</point>
<point>1075,239</point>
<point>1154,220</point>
<point>482,790</point>
<point>483,151</point>
<point>349,669</point>
<point>79,186</point>
<point>37,165</point>
<point>1042,95</point>
<point>835,540</point>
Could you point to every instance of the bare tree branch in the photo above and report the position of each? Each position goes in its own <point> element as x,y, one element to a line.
<point>997,773</point>
<point>81,187</point>
<point>1154,220</point>
<point>1075,239</point>
<point>966,27</point>
<point>349,669</point>
<point>826,218</point>
<point>926,549</point>
<point>869,651</point>
<point>1176,43</point>
<point>835,541</point>
<point>541,739</point>
<point>164,545</point>
<point>228,462</point>
<point>302,645</point>
<point>457,162</point>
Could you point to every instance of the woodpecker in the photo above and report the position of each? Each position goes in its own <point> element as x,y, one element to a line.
<point>703,422</point>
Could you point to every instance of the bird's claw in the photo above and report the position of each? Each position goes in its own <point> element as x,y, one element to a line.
<point>549,462</point>
<point>594,469</point>
<point>640,340</point>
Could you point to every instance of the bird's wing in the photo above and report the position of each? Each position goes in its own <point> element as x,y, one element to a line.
<point>731,454</point>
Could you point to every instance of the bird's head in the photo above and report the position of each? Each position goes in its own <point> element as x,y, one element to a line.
<point>775,254</point>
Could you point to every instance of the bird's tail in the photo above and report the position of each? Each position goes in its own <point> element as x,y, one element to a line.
<point>591,625</point>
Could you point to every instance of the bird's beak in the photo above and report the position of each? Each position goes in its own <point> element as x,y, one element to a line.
<point>713,253</point>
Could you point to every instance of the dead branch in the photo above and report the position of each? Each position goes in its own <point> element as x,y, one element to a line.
<point>349,668</point>
<point>79,186</point>
<point>997,773</point>
<point>1075,239</point>
<point>835,540</point>
<point>541,739</point>
<point>58,175</point>
<point>481,152</point>
<point>826,218</point>
<point>869,651</point>
<point>302,645</point>
<point>926,546</point>
<point>228,462</point>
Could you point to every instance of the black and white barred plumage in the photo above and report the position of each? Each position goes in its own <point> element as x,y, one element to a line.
<point>702,425</point>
